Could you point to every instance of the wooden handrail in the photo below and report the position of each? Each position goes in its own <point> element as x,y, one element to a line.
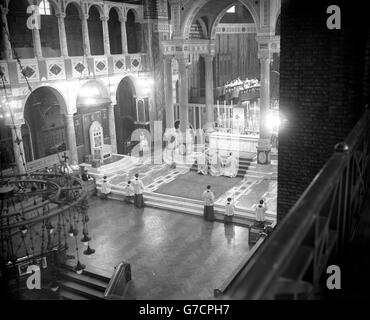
<point>117,284</point>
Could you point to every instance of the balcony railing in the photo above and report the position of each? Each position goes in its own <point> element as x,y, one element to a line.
<point>48,69</point>
<point>318,226</point>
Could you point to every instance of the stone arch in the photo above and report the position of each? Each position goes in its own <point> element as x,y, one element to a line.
<point>197,5</point>
<point>135,12</point>
<point>220,16</point>
<point>117,10</point>
<point>77,6</point>
<point>54,4</point>
<point>44,132</point>
<point>97,6</point>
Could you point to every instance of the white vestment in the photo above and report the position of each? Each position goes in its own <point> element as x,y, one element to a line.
<point>216,165</point>
<point>202,164</point>
<point>138,186</point>
<point>260,212</point>
<point>208,198</point>
<point>105,188</point>
<point>231,167</point>
<point>129,190</point>
<point>229,209</point>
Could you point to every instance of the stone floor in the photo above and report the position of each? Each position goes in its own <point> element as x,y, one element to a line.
<point>172,255</point>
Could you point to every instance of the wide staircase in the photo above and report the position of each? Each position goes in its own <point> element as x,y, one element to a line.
<point>85,286</point>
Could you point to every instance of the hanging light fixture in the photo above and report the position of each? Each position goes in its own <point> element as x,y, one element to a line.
<point>79,267</point>
<point>89,251</point>
<point>70,232</point>
<point>54,286</point>
<point>24,229</point>
<point>50,227</point>
<point>85,240</point>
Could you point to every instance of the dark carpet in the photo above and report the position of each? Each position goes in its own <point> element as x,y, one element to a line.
<point>191,185</point>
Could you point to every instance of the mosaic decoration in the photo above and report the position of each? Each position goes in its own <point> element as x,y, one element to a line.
<point>79,68</point>
<point>56,69</point>
<point>30,70</point>
<point>101,65</point>
<point>135,63</point>
<point>119,64</point>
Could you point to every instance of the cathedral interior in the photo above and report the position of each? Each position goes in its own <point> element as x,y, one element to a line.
<point>183,149</point>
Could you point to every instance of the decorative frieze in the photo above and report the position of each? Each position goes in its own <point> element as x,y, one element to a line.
<point>135,63</point>
<point>236,28</point>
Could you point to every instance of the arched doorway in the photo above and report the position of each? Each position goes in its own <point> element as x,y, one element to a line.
<point>44,132</point>
<point>125,114</point>
<point>73,27</point>
<point>20,35</point>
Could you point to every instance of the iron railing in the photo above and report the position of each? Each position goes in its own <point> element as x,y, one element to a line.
<point>325,218</point>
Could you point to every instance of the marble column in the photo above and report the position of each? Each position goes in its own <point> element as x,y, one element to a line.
<point>71,139</point>
<point>112,128</point>
<point>37,49</point>
<point>168,92</point>
<point>18,149</point>
<point>85,35</point>
<point>104,21</point>
<point>264,144</point>
<point>62,35</point>
<point>123,35</point>
<point>183,92</point>
<point>208,58</point>
<point>7,48</point>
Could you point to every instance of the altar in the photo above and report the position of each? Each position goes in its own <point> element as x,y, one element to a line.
<point>241,145</point>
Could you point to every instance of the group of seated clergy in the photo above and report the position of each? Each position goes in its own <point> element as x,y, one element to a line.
<point>213,164</point>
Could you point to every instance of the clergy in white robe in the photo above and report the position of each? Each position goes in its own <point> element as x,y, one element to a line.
<point>129,193</point>
<point>216,169</point>
<point>209,199</point>
<point>260,212</point>
<point>231,167</point>
<point>105,189</point>
<point>229,210</point>
<point>138,192</point>
<point>202,163</point>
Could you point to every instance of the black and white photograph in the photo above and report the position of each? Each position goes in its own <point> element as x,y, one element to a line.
<point>158,152</point>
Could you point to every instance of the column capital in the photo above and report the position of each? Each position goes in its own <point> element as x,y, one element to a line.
<point>84,16</point>
<point>60,15</point>
<point>104,19</point>
<point>182,59</point>
<point>208,56</point>
<point>265,55</point>
<point>122,19</point>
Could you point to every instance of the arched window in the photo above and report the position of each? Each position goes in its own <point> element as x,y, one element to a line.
<point>133,30</point>
<point>45,8</point>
